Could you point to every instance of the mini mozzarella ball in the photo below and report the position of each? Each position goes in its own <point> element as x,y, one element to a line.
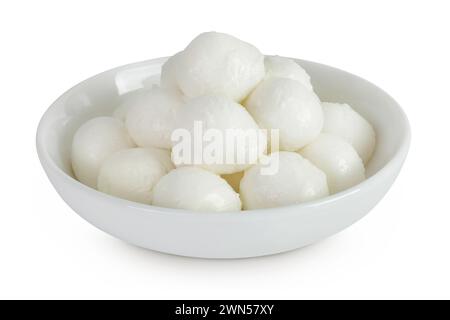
<point>341,120</point>
<point>234,179</point>
<point>221,114</point>
<point>131,174</point>
<point>279,67</point>
<point>195,189</point>
<point>93,142</point>
<point>150,120</point>
<point>338,159</point>
<point>168,72</point>
<point>293,180</point>
<point>287,105</point>
<point>217,63</point>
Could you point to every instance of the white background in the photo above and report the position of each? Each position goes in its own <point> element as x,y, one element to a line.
<point>400,250</point>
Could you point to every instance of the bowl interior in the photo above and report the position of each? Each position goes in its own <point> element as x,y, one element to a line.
<point>101,94</point>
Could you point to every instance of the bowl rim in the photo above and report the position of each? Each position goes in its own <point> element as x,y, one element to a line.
<point>48,163</point>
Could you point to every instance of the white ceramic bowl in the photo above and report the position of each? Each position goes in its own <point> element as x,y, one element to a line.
<point>220,235</point>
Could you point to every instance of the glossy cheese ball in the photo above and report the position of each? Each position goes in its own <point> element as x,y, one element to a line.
<point>285,104</point>
<point>216,63</point>
<point>151,119</point>
<point>206,115</point>
<point>294,180</point>
<point>93,142</point>
<point>218,114</point>
<point>341,120</point>
<point>280,67</point>
<point>338,159</point>
<point>195,189</point>
<point>131,174</point>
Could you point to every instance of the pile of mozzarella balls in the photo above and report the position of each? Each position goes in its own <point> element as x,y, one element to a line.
<point>225,83</point>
